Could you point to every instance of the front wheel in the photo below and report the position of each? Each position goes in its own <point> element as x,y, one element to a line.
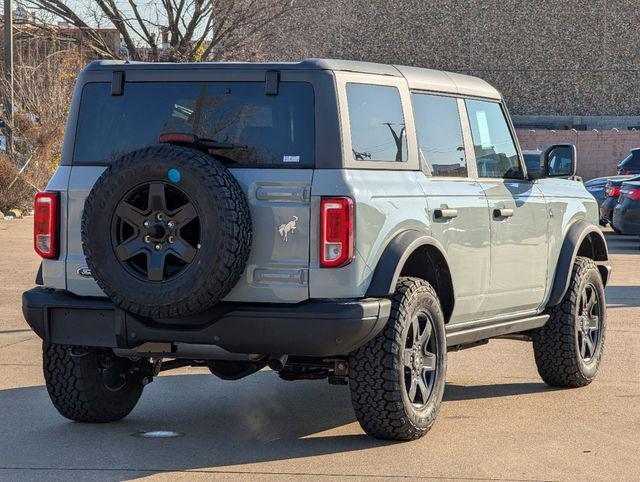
<point>568,348</point>
<point>397,379</point>
<point>91,385</point>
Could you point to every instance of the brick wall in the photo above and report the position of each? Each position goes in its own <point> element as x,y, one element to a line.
<point>598,152</point>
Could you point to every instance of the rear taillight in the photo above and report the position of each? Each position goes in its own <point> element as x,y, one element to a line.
<point>633,194</point>
<point>612,191</point>
<point>336,231</point>
<point>45,224</point>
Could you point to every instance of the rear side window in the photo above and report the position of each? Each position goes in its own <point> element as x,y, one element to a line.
<point>496,153</point>
<point>377,123</point>
<point>439,134</point>
<point>277,131</point>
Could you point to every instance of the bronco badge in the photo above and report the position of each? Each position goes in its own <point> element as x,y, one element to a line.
<point>288,228</point>
<point>84,271</point>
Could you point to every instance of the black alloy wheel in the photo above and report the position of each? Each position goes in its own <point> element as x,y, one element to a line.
<point>166,231</point>
<point>589,327</point>
<point>420,360</point>
<point>155,231</point>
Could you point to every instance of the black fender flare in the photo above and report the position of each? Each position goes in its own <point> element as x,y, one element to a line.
<point>394,256</point>
<point>576,234</point>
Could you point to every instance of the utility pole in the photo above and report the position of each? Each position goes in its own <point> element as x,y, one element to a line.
<point>8,73</point>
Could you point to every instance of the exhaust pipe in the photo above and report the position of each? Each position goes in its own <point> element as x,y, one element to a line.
<point>277,363</point>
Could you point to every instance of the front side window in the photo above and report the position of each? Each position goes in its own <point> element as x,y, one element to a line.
<point>496,153</point>
<point>377,123</point>
<point>274,131</point>
<point>439,134</point>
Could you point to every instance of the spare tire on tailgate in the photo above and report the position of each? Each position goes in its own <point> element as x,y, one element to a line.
<point>166,231</point>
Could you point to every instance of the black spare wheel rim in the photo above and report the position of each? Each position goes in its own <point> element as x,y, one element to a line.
<point>166,231</point>
<point>155,231</point>
<point>420,360</point>
<point>589,326</point>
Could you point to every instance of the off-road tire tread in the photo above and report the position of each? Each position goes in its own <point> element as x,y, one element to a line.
<point>76,391</point>
<point>554,345</point>
<point>230,261</point>
<point>374,378</point>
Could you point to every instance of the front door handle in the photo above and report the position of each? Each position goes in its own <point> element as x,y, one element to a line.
<point>502,213</point>
<point>445,213</point>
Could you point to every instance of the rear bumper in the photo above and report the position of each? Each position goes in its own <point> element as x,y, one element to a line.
<point>314,328</point>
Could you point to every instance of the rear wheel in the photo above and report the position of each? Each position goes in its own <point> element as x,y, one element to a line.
<point>568,349</point>
<point>91,385</point>
<point>397,379</point>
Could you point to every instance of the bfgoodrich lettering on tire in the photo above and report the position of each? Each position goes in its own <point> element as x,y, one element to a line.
<point>568,348</point>
<point>397,379</point>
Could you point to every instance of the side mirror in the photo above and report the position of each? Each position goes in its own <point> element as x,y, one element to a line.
<point>559,160</point>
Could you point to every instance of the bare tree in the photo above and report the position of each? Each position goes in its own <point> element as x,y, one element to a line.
<point>43,87</point>
<point>175,30</point>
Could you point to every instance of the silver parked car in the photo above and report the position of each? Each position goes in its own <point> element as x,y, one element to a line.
<point>328,219</point>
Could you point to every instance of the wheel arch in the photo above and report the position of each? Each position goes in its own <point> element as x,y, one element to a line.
<point>412,253</point>
<point>582,239</point>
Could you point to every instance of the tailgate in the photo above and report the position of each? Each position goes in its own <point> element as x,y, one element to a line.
<point>277,270</point>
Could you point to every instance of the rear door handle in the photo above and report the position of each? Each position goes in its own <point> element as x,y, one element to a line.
<point>502,213</point>
<point>445,213</point>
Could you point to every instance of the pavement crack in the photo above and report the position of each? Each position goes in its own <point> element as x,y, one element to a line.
<point>17,342</point>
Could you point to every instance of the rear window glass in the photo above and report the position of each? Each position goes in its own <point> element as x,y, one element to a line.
<point>377,123</point>
<point>277,131</point>
<point>439,134</point>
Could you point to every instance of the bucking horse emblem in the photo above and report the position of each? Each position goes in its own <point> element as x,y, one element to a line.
<point>287,228</point>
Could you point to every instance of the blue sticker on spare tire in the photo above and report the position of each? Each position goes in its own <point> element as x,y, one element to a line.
<point>174,175</point>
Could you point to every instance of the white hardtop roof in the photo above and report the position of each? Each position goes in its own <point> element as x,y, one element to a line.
<point>417,77</point>
<point>448,82</point>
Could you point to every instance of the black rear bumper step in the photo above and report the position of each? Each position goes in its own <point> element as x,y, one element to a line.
<point>313,328</point>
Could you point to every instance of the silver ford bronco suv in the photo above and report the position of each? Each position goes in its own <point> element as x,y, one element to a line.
<point>327,219</point>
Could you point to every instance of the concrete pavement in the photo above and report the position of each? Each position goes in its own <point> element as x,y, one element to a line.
<point>498,420</point>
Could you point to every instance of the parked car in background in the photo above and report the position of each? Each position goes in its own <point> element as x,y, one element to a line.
<point>627,211</point>
<point>611,195</point>
<point>596,188</point>
<point>532,160</point>
<point>631,163</point>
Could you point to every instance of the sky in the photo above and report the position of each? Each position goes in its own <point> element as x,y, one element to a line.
<point>84,8</point>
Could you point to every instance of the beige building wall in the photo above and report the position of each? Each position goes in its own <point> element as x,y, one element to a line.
<point>598,152</point>
<point>548,57</point>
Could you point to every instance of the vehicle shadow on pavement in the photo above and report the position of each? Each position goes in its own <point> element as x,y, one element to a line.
<point>21,330</point>
<point>258,419</point>
<point>625,296</point>
<point>454,393</point>
<point>620,244</point>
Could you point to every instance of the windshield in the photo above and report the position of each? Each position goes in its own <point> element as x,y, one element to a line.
<point>275,130</point>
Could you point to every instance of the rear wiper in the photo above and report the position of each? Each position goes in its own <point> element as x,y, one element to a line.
<point>192,140</point>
